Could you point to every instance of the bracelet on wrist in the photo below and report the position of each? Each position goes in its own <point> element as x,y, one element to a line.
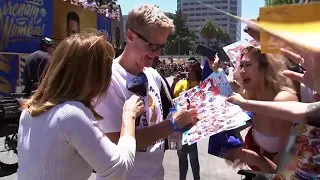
<point>174,125</point>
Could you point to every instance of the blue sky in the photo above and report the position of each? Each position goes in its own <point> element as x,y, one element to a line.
<point>250,8</point>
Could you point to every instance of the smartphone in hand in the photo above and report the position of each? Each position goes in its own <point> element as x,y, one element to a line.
<point>205,51</point>
<point>222,55</point>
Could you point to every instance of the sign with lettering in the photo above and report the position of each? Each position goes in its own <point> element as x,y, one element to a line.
<point>21,21</point>
<point>301,28</point>
<point>24,22</point>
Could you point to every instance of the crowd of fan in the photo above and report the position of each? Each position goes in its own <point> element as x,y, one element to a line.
<point>172,68</point>
<point>104,7</point>
<point>167,69</point>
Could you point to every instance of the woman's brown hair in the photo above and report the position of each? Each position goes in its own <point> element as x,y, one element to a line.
<point>272,67</point>
<point>195,65</point>
<point>80,70</point>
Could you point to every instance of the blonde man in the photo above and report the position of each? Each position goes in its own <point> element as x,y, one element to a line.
<point>147,31</point>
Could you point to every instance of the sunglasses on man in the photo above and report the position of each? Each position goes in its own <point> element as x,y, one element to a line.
<point>151,47</point>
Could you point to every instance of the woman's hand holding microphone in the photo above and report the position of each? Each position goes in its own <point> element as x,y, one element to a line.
<point>132,109</point>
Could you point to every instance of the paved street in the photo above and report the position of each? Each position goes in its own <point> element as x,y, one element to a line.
<point>212,168</point>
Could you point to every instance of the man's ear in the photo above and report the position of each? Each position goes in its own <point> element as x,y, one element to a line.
<point>130,35</point>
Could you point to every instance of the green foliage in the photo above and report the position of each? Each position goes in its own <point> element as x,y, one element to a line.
<point>210,30</point>
<point>279,2</point>
<point>225,37</point>
<point>183,39</point>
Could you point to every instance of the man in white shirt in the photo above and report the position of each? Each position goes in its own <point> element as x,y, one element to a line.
<point>147,31</point>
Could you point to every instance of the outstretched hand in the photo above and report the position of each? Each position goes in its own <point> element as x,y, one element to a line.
<point>236,99</point>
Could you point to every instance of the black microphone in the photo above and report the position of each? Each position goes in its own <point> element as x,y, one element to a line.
<point>138,85</point>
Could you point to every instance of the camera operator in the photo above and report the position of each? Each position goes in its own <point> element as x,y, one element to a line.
<point>36,64</point>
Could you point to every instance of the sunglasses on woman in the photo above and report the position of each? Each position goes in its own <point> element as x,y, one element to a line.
<point>151,47</point>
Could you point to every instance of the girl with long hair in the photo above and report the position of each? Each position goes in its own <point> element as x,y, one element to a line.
<point>260,77</point>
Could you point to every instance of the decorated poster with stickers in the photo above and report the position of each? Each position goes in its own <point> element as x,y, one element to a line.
<point>234,50</point>
<point>214,113</point>
<point>301,158</point>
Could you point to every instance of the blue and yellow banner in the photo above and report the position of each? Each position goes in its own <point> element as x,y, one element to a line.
<point>24,22</point>
<point>20,20</point>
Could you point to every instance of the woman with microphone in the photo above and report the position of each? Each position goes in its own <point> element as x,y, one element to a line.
<point>58,135</point>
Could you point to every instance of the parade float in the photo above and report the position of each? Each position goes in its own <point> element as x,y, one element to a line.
<point>24,22</point>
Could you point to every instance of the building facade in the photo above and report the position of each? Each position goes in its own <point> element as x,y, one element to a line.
<point>197,14</point>
<point>124,21</point>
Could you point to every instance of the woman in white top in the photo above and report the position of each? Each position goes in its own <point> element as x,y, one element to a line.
<point>58,136</point>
